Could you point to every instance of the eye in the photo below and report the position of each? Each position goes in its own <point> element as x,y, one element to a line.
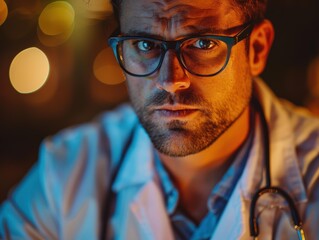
<point>204,44</point>
<point>145,45</point>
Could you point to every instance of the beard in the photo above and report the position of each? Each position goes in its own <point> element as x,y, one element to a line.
<point>179,138</point>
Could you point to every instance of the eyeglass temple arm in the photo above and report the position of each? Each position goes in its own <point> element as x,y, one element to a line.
<point>244,33</point>
<point>253,225</point>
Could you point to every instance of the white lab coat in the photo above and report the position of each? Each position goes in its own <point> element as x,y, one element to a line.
<point>62,197</point>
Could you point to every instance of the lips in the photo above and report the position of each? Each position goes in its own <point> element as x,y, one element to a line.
<point>175,111</point>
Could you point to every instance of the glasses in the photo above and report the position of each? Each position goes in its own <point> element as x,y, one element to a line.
<point>203,56</point>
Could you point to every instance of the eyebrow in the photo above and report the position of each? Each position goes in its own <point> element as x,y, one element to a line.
<point>194,31</point>
<point>221,31</point>
<point>143,33</point>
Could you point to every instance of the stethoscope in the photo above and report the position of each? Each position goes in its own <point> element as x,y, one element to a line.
<point>253,223</point>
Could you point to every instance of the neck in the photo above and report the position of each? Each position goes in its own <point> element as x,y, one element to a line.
<point>198,173</point>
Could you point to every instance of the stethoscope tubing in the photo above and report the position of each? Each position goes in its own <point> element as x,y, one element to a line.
<point>253,223</point>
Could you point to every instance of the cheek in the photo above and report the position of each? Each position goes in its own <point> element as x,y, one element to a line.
<point>241,79</point>
<point>238,69</point>
<point>240,60</point>
<point>233,82</point>
<point>134,86</point>
<point>138,88</point>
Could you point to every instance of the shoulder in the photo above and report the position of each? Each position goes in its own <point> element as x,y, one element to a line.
<point>89,146</point>
<point>305,131</point>
<point>306,139</point>
<point>107,131</point>
<point>70,179</point>
<point>305,126</point>
<point>119,121</point>
<point>293,127</point>
<point>285,119</point>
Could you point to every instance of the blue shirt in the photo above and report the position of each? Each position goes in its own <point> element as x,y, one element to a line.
<point>185,228</point>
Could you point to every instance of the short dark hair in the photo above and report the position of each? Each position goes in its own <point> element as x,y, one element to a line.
<point>253,10</point>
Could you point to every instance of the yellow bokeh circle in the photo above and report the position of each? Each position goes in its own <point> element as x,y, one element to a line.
<point>3,11</point>
<point>57,18</point>
<point>29,70</point>
<point>106,69</point>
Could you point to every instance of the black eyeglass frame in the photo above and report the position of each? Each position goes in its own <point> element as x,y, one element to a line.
<point>230,41</point>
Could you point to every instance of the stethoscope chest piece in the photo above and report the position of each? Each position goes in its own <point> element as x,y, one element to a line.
<point>254,229</point>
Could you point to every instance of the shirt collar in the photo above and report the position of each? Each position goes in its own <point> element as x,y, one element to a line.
<point>168,188</point>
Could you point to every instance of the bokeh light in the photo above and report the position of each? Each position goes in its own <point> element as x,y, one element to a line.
<point>29,70</point>
<point>53,41</point>
<point>3,11</point>
<point>95,9</point>
<point>56,21</point>
<point>313,78</point>
<point>106,69</point>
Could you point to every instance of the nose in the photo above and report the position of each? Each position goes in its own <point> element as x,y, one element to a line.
<point>172,76</point>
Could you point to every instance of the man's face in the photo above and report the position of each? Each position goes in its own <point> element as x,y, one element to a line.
<point>182,113</point>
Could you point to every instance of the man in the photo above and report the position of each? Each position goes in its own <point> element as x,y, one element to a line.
<point>186,164</point>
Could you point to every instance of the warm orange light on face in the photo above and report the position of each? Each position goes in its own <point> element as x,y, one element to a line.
<point>57,21</point>
<point>3,11</point>
<point>106,69</point>
<point>29,70</point>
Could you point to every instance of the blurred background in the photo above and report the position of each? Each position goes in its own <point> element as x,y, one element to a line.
<point>56,69</point>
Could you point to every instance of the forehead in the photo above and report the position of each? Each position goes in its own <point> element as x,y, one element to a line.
<point>177,17</point>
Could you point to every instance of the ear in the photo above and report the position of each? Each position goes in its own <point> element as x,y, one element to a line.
<point>261,40</point>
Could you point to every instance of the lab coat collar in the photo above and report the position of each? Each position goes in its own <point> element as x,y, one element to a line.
<point>138,164</point>
<point>145,215</point>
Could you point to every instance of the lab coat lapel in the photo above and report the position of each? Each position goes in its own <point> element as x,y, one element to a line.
<point>147,215</point>
<point>285,169</point>
<point>140,209</point>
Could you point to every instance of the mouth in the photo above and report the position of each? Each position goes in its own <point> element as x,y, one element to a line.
<point>175,111</point>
